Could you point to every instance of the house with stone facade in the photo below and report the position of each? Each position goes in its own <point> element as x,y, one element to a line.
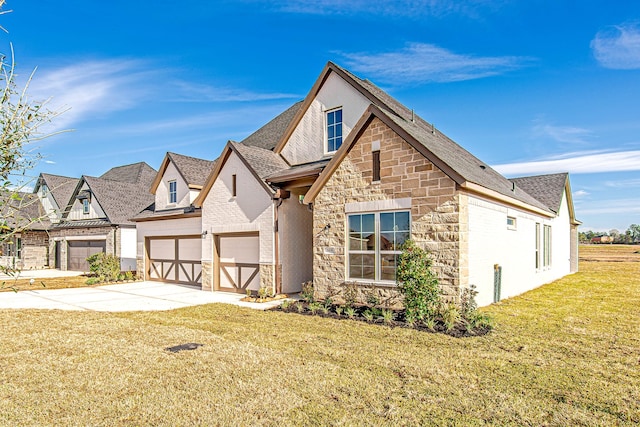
<point>169,232</point>
<point>25,243</point>
<point>332,188</point>
<point>96,218</point>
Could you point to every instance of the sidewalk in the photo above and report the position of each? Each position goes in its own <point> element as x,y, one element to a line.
<point>40,274</point>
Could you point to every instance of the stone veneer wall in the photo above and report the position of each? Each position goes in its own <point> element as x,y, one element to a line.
<point>438,212</point>
<point>207,276</point>
<point>61,234</point>
<point>34,249</point>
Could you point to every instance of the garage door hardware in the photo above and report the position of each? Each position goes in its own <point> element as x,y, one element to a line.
<point>182,347</point>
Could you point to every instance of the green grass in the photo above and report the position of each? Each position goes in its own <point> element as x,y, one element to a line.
<point>564,354</point>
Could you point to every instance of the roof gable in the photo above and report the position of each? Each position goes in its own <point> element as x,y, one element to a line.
<point>194,171</point>
<point>260,162</point>
<point>132,173</point>
<point>60,187</point>
<point>23,211</point>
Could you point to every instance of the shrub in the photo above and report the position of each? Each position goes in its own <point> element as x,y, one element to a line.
<point>388,316</point>
<point>350,293</point>
<point>285,304</point>
<point>417,283</point>
<point>106,266</point>
<point>339,310</point>
<point>368,315</point>
<point>91,281</point>
<point>350,311</point>
<point>450,315</point>
<point>128,275</point>
<point>307,292</point>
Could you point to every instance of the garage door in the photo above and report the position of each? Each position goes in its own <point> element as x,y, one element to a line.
<point>175,259</point>
<point>80,250</point>
<point>239,267</point>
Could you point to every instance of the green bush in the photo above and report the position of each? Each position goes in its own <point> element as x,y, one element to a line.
<point>104,265</point>
<point>417,283</point>
<point>307,292</point>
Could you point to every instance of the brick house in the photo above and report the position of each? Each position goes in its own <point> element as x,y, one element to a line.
<point>330,189</point>
<point>169,232</point>
<point>96,218</point>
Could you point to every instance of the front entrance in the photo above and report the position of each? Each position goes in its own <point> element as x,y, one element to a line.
<point>80,250</point>
<point>238,262</point>
<point>175,259</point>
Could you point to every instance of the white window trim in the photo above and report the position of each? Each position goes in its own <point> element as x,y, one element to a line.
<point>86,208</point>
<point>513,226</point>
<point>325,148</point>
<point>175,193</point>
<point>377,252</point>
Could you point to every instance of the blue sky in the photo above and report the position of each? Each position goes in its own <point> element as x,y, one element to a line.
<point>529,87</point>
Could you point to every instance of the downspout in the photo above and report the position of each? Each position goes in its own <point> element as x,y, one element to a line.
<point>276,243</point>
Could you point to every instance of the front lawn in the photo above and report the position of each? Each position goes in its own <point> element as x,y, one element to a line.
<point>564,354</point>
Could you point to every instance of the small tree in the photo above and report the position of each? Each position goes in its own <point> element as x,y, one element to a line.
<point>21,120</point>
<point>418,283</point>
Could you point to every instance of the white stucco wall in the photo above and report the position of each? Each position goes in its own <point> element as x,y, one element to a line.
<point>183,196</point>
<point>128,249</point>
<point>296,243</point>
<point>492,242</point>
<point>251,210</point>
<point>308,140</point>
<point>95,210</point>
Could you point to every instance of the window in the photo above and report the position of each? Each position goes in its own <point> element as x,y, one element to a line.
<point>234,185</point>
<point>374,244</point>
<point>537,245</point>
<point>511,223</point>
<point>85,206</point>
<point>11,247</point>
<point>44,189</point>
<point>173,192</point>
<point>546,247</point>
<point>334,130</point>
<point>376,165</point>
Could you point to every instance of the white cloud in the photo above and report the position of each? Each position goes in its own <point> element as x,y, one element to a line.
<point>618,47</point>
<point>580,193</point>
<point>623,183</point>
<point>566,134</point>
<point>93,89</point>
<point>617,206</point>
<point>586,162</point>
<point>50,162</point>
<point>194,92</point>
<point>423,62</point>
<point>394,8</point>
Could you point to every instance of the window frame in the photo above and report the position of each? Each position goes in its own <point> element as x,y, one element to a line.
<point>377,251</point>
<point>537,246</point>
<point>514,223</point>
<point>334,125</point>
<point>546,246</point>
<point>173,193</point>
<point>86,208</point>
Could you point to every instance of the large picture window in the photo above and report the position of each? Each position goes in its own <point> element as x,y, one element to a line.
<point>375,240</point>
<point>334,130</point>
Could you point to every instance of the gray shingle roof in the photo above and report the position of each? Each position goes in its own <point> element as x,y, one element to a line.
<point>457,158</point>
<point>264,162</point>
<point>132,173</point>
<point>60,187</point>
<point>268,135</point>
<point>25,211</point>
<point>546,188</point>
<point>121,200</point>
<point>195,171</point>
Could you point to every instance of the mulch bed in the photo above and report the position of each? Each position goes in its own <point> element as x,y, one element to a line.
<point>459,330</point>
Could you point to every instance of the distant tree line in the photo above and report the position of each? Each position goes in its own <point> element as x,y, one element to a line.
<point>630,236</point>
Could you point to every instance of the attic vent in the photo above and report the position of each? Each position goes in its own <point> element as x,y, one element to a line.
<point>433,128</point>
<point>513,187</point>
<point>483,167</point>
<point>413,116</point>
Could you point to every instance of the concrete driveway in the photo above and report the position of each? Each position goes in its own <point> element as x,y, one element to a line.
<point>138,296</point>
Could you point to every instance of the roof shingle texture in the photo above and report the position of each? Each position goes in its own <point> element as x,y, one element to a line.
<point>60,187</point>
<point>24,212</point>
<point>132,174</point>
<point>546,188</point>
<point>195,171</point>
<point>267,136</point>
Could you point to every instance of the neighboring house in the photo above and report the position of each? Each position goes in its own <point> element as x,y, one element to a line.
<point>25,223</point>
<point>169,232</point>
<point>97,217</point>
<point>330,190</point>
<point>602,239</point>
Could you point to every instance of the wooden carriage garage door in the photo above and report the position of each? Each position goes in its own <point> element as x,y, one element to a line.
<point>238,263</point>
<point>175,259</point>
<point>79,250</point>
